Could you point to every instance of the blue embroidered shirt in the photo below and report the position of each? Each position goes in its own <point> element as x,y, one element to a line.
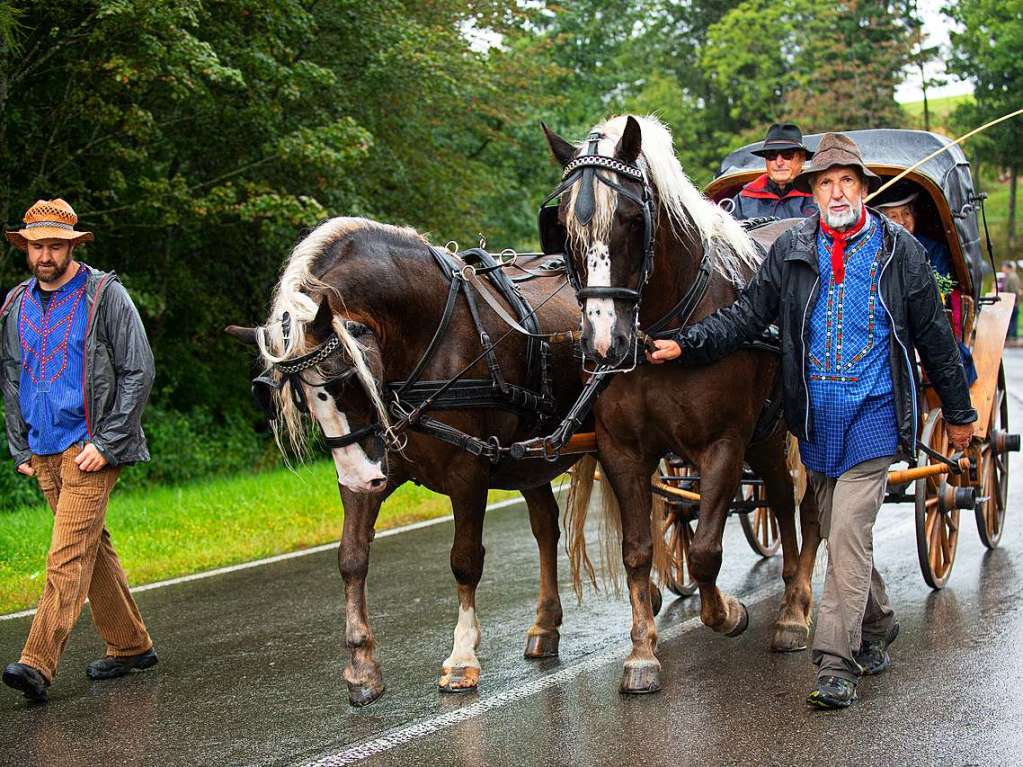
<point>848,370</point>
<point>52,347</point>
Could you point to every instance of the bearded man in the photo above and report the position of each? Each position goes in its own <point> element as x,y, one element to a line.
<point>75,372</point>
<point>773,194</point>
<point>853,295</point>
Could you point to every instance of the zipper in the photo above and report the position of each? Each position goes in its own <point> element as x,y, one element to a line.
<point>93,313</point>
<point>802,337</point>
<point>905,352</point>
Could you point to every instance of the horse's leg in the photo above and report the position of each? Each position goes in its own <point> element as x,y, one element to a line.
<point>630,480</point>
<point>365,683</point>
<point>792,627</point>
<point>543,637</point>
<point>461,670</point>
<point>720,472</point>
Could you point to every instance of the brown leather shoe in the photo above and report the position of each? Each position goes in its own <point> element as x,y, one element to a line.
<point>113,666</point>
<point>28,680</point>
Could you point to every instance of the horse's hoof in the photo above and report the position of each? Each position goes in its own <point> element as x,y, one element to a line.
<point>656,600</point>
<point>790,637</point>
<point>743,623</point>
<point>641,679</point>
<point>459,679</point>
<point>542,645</point>
<point>360,695</point>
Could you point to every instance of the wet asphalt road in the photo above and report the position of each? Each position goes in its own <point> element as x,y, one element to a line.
<point>251,664</point>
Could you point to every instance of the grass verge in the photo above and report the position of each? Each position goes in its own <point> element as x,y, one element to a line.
<point>167,532</point>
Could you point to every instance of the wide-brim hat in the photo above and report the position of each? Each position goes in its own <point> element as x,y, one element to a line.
<point>782,136</point>
<point>48,220</point>
<point>897,195</point>
<point>835,149</point>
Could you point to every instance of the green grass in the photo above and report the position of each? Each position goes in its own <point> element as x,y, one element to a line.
<point>940,110</point>
<point>167,532</point>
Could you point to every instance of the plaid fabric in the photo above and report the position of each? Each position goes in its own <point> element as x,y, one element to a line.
<point>848,371</point>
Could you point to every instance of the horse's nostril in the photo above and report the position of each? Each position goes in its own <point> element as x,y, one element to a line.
<point>376,484</point>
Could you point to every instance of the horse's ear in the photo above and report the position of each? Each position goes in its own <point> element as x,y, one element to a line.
<point>631,142</point>
<point>323,322</point>
<point>563,151</point>
<point>245,335</point>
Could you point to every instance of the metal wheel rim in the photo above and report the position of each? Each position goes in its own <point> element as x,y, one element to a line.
<point>760,526</point>
<point>994,474</point>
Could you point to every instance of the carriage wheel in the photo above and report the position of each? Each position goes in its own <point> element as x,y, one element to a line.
<point>937,523</point>
<point>993,470</point>
<point>760,525</point>
<point>679,530</point>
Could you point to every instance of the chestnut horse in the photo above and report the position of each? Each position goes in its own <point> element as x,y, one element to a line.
<point>379,290</point>
<point>637,227</point>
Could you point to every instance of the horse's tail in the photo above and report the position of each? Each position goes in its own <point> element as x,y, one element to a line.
<point>610,534</point>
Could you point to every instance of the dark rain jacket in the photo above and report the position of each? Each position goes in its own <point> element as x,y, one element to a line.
<point>784,291</point>
<point>762,198</point>
<point>118,371</point>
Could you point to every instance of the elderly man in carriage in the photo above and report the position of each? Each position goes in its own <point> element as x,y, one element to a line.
<point>853,295</point>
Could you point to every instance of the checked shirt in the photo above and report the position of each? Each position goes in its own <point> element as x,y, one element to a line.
<point>848,370</point>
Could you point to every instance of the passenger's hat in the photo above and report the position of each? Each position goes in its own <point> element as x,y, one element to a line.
<point>835,149</point>
<point>897,195</point>
<point>782,136</point>
<point>48,220</point>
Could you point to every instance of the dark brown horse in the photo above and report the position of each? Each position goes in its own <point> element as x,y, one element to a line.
<point>705,414</point>
<point>379,290</point>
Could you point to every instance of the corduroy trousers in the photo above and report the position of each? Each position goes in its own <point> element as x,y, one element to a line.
<point>81,563</point>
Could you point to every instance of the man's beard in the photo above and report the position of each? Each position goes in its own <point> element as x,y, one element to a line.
<point>840,221</point>
<point>51,271</point>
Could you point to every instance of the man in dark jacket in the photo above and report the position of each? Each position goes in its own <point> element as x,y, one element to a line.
<point>773,193</point>
<point>75,372</point>
<point>853,295</point>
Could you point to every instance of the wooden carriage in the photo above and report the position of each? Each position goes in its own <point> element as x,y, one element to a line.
<point>940,485</point>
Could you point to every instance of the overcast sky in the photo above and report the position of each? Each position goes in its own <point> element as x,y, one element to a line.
<point>936,26</point>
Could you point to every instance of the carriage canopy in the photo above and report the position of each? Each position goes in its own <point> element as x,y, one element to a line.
<point>948,212</point>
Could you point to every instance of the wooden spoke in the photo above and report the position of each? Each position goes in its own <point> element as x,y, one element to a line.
<point>937,528</point>
<point>993,473</point>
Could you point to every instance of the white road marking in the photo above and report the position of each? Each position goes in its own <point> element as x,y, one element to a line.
<point>290,555</point>
<point>429,725</point>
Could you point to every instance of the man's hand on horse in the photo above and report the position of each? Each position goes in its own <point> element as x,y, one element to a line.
<point>90,459</point>
<point>959,435</point>
<point>664,351</point>
<point>26,469</point>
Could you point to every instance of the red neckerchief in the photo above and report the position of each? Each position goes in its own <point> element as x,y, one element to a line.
<point>838,241</point>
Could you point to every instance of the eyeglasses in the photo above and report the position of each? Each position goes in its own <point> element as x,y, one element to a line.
<point>786,154</point>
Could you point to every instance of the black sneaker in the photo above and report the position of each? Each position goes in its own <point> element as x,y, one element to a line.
<point>832,692</point>
<point>29,681</point>
<point>112,666</point>
<point>873,654</point>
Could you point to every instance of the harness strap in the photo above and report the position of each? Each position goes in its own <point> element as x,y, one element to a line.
<point>683,310</point>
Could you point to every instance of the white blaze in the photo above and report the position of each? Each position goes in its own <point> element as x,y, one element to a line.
<point>354,468</point>
<point>600,311</point>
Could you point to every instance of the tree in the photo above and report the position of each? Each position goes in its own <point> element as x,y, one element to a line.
<point>986,50</point>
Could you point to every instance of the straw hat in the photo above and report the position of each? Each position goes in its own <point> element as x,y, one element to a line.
<point>835,149</point>
<point>48,220</point>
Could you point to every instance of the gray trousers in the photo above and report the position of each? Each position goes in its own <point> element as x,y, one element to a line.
<point>855,604</point>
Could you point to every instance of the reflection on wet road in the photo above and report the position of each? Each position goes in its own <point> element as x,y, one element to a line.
<point>251,668</point>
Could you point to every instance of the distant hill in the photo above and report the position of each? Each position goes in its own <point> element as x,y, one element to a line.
<point>940,110</point>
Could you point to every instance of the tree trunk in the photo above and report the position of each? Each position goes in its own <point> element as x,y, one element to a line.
<point>1011,223</point>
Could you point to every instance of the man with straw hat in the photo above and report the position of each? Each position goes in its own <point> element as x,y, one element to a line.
<point>853,295</point>
<point>75,372</point>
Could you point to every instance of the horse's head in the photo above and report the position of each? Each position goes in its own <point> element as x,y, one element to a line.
<point>606,217</point>
<point>327,368</point>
